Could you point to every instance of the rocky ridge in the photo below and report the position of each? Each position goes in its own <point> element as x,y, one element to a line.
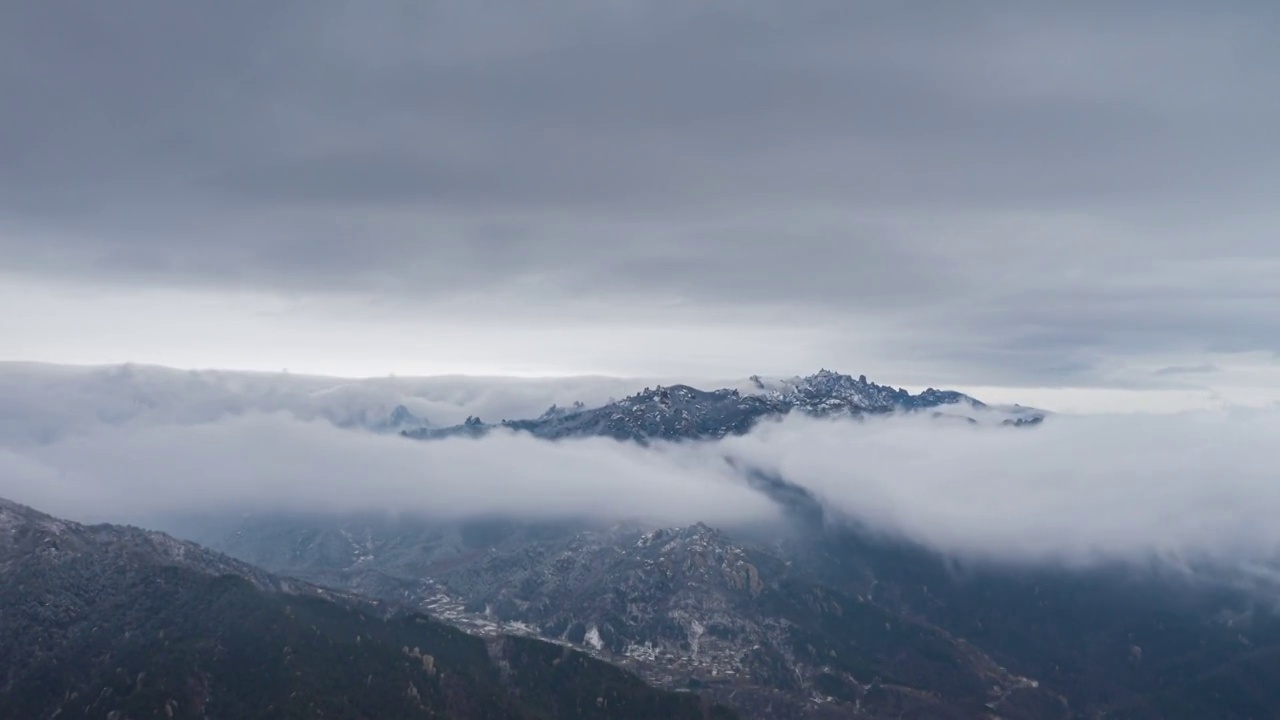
<point>822,621</point>
<point>112,622</point>
<point>681,412</point>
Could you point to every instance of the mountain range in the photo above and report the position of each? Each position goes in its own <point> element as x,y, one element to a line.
<point>681,412</point>
<point>366,615</point>
<point>116,622</point>
<point>810,621</point>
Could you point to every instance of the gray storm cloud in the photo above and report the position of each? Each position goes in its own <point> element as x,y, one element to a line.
<point>994,193</point>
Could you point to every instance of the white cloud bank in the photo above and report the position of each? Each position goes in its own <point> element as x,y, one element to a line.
<point>276,462</point>
<point>42,403</point>
<point>1077,488</point>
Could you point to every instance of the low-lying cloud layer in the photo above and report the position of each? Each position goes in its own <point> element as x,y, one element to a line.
<point>1075,489</point>
<point>42,403</point>
<point>276,462</point>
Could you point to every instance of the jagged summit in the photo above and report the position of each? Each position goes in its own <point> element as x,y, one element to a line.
<point>827,391</point>
<point>698,532</point>
<point>400,420</point>
<point>555,411</point>
<point>682,412</point>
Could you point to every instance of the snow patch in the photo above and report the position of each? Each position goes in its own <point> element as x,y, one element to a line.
<point>593,638</point>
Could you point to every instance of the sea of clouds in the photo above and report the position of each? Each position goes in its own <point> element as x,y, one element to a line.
<point>127,442</point>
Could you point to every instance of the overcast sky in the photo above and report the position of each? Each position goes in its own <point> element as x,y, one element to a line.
<point>1078,198</point>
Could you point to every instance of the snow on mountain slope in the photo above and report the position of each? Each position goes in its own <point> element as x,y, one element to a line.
<point>681,412</point>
